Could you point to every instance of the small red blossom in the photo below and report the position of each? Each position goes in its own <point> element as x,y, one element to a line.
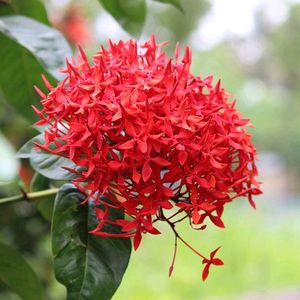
<point>211,261</point>
<point>160,143</point>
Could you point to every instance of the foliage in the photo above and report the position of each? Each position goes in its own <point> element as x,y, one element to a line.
<point>130,14</point>
<point>18,275</point>
<point>90,267</point>
<point>33,49</point>
<point>46,164</point>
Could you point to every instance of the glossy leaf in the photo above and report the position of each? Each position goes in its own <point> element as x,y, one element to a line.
<point>91,267</point>
<point>176,3</point>
<point>26,151</point>
<point>45,163</point>
<point>18,275</point>
<point>22,71</point>
<point>45,205</point>
<point>51,166</point>
<point>47,44</point>
<point>28,49</point>
<point>130,14</point>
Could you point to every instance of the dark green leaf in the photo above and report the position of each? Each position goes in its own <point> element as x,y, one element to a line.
<point>45,205</point>
<point>18,275</point>
<point>45,163</point>
<point>47,44</point>
<point>34,9</point>
<point>130,14</point>
<point>28,49</point>
<point>22,72</point>
<point>51,166</point>
<point>26,151</point>
<point>176,3</point>
<point>39,183</point>
<point>90,267</point>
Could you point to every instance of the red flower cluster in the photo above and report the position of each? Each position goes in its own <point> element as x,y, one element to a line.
<point>160,143</point>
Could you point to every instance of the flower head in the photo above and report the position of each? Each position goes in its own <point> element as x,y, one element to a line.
<point>160,143</point>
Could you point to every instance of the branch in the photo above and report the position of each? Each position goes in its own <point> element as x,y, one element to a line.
<point>31,197</point>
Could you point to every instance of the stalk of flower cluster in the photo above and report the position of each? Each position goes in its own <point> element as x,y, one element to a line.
<point>30,197</point>
<point>178,237</point>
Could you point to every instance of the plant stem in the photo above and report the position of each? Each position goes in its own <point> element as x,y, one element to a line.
<point>172,225</point>
<point>29,196</point>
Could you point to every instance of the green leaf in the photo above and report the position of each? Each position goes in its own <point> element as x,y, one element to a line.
<point>47,44</point>
<point>176,3</point>
<point>22,72</point>
<point>28,49</point>
<point>26,151</point>
<point>45,207</point>
<point>18,275</point>
<point>34,9</point>
<point>39,183</point>
<point>91,267</point>
<point>51,166</point>
<point>46,204</point>
<point>45,163</point>
<point>130,14</point>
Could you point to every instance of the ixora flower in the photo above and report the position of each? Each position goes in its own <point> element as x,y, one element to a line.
<point>160,143</point>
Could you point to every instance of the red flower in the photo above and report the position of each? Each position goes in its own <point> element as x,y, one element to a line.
<point>211,261</point>
<point>74,25</point>
<point>160,143</point>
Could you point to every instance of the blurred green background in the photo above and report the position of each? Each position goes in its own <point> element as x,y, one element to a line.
<point>254,47</point>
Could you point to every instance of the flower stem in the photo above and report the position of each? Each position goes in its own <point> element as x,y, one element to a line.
<point>29,196</point>
<point>190,247</point>
<point>172,225</point>
<point>174,257</point>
